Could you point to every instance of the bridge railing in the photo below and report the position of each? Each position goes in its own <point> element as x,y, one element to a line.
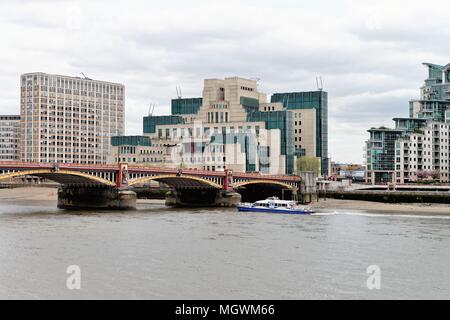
<point>144,169</point>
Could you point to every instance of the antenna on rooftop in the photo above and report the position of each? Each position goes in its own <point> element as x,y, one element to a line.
<point>151,109</point>
<point>319,83</point>
<point>257,80</point>
<point>179,95</point>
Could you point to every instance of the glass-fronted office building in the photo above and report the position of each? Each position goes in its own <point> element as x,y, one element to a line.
<point>317,100</point>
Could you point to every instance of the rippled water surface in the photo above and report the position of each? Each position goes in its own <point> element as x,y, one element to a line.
<point>162,253</point>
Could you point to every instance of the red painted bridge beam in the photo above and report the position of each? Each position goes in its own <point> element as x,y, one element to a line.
<point>225,179</point>
<point>119,177</point>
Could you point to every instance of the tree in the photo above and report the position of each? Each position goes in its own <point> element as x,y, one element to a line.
<point>308,164</point>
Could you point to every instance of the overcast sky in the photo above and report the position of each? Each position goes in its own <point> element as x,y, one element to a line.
<point>368,53</point>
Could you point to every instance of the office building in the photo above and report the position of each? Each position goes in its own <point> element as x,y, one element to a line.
<point>310,112</point>
<point>9,137</point>
<point>69,119</point>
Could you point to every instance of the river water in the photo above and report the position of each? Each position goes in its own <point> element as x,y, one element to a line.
<point>162,253</point>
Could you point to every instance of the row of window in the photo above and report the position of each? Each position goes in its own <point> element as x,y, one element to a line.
<point>206,131</point>
<point>71,83</point>
<point>217,117</point>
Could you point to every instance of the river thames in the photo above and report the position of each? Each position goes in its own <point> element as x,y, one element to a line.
<point>163,253</point>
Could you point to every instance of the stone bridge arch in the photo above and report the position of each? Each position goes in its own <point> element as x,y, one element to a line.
<point>266,182</point>
<point>61,176</point>
<point>177,181</point>
<point>254,190</point>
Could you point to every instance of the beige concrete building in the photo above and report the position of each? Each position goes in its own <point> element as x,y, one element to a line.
<point>9,137</point>
<point>69,119</point>
<point>305,131</point>
<point>304,127</point>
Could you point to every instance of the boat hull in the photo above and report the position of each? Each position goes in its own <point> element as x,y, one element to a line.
<point>273,210</point>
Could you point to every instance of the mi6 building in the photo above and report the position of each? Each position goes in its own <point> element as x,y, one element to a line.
<point>233,126</point>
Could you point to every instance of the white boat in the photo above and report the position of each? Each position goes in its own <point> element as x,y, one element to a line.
<point>275,205</point>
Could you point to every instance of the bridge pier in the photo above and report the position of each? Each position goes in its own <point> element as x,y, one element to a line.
<point>83,198</point>
<point>202,198</point>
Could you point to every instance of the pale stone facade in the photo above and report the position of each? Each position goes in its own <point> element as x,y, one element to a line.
<point>305,131</point>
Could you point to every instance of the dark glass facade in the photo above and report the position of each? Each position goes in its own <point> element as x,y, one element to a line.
<point>381,153</point>
<point>130,141</point>
<point>311,100</point>
<point>282,120</point>
<point>150,122</point>
<point>186,106</point>
<point>250,104</point>
<point>430,109</point>
<point>409,124</point>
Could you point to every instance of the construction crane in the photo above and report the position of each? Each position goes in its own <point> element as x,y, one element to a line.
<point>84,76</point>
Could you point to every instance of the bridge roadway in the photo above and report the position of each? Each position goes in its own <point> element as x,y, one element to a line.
<point>110,186</point>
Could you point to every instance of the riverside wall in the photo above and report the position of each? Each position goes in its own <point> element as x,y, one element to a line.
<point>390,196</point>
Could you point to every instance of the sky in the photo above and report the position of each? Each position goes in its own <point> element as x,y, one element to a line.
<point>368,53</point>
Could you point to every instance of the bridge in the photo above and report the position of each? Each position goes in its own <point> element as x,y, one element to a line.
<point>111,185</point>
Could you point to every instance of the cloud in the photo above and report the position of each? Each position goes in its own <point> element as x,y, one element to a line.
<point>368,54</point>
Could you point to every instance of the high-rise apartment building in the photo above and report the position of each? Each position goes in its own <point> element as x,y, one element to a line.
<point>423,153</point>
<point>9,137</point>
<point>69,119</point>
<point>434,99</point>
<point>380,155</point>
<point>419,146</point>
<point>232,125</point>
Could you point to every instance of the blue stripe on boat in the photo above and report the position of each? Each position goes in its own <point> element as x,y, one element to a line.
<point>273,210</point>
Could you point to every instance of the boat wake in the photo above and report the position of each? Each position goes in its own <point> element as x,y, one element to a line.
<point>325,213</point>
<point>378,215</point>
